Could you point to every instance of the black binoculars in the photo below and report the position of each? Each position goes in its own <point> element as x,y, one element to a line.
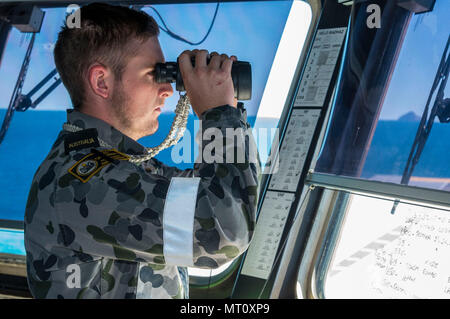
<point>241,73</point>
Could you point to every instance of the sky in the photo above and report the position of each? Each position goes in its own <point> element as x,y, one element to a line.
<point>418,62</point>
<point>251,31</point>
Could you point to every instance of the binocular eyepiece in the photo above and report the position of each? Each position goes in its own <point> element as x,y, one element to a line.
<point>241,73</point>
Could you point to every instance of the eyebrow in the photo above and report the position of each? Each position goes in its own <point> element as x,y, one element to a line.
<point>151,65</point>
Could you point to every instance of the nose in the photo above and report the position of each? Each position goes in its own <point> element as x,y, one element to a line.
<point>166,90</point>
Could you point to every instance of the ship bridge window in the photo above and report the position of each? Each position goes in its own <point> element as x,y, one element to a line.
<point>383,164</point>
<point>384,255</point>
<point>391,118</point>
<point>268,34</point>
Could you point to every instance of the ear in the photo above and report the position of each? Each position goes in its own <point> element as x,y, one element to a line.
<point>100,80</point>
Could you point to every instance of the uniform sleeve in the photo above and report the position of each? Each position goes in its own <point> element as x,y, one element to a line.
<point>202,217</point>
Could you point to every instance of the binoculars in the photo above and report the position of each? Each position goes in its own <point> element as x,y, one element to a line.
<point>241,73</point>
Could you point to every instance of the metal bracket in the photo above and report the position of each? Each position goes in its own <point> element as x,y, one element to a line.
<point>417,6</point>
<point>26,18</point>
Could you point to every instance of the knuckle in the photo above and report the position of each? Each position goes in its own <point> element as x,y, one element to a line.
<point>184,55</point>
<point>200,71</point>
<point>226,63</point>
<point>222,74</point>
<point>187,52</point>
<point>215,58</point>
<point>215,72</point>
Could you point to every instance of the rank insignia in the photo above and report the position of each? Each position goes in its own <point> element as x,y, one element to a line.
<point>82,139</point>
<point>92,163</point>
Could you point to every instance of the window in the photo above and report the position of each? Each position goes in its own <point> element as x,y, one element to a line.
<point>243,19</point>
<point>384,255</point>
<point>382,96</point>
<point>249,30</point>
<point>382,227</point>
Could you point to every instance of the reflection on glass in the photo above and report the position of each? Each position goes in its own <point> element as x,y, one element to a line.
<point>198,272</point>
<point>375,122</point>
<point>380,255</point>
<point>11,242</point>
<point>240,29</point>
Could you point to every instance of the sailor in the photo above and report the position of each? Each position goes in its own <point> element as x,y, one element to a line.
<point>98,222</point>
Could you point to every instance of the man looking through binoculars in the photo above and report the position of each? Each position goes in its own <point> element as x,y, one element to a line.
<point>98,225</point>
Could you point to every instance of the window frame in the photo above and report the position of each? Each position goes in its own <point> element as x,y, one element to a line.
<point>316,6</point>
<point>202,282</point>
<point>327,202</point>
<point>326,232</point>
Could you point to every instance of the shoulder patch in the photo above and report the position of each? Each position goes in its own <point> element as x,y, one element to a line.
<point>81,139</point>
<point>92,163</point>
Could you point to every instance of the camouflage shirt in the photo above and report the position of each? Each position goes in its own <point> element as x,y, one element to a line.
<point>98,226</point>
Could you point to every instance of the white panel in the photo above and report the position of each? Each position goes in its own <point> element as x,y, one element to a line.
<point>178,221</point>
<point>266,239</point>
<point>294,149</point>
<point>320,67</point>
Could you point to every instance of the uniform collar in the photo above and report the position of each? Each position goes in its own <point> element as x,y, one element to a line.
<point>106,132</point>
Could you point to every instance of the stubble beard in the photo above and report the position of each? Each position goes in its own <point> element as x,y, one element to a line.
<point>119,102</point>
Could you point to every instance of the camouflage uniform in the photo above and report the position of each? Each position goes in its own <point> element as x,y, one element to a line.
<point>111,226</point>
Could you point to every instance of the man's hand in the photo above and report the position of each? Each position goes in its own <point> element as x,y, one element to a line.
<point>207,85</point>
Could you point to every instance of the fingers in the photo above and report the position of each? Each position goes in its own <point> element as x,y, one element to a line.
<point>200,58</point>
<point>208,83</point>
<point>184,62</point>
<point>217,61</point>
<point>185,59</point>
<point>226,65</point>
<point>235,102</point>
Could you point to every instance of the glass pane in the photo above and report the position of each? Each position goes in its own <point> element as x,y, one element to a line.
<point>31,133</point>
<point>240,29</point>
<point>380,255</point>
<point>208,273</point>
<point>11,242</point>
<point>385,84</point>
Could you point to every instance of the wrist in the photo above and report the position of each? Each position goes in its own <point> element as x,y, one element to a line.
<point>225,116</point>
<point>215,111</point>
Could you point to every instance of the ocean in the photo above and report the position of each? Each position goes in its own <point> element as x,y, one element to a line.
<point>29,139</point>
<point>32,133</point>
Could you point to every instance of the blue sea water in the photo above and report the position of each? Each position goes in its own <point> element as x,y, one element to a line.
<point>29,139</point>
<point>391,146</point>
<point>32,133</point>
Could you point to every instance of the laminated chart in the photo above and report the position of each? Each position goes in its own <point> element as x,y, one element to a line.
<point>320,67</point>
<point>294,149</point>
<point>266,239</point>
